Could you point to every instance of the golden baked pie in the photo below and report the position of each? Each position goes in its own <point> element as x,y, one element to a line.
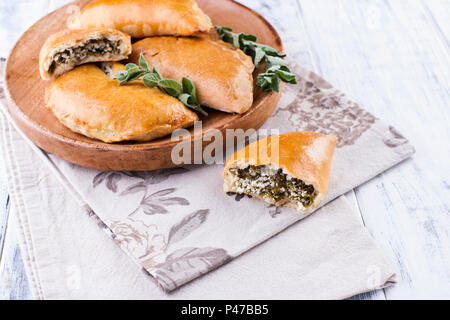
<point>69,48</point>
<point>145,18</point>
<point>221,73</point>
<point>290,169</point>
<point>89,102</point>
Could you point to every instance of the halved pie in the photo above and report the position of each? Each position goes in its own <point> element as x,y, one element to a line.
<point>290,169</point>
<point>67,49</point>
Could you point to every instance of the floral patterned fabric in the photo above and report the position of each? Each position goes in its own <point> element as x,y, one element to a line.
<point>177,224</point>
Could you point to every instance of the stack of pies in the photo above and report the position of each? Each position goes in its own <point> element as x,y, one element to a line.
<point>177,36</point>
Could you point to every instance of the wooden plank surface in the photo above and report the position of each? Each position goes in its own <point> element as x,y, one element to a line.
<point>399,64</point>
<point>4,209</point>
<point>392,56</point>
<point>13,280</point>
<point>15,18</point>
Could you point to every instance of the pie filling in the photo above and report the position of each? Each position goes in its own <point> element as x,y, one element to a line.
<point>88,48</point>
<point>108,68</point>
<point>272,185</point>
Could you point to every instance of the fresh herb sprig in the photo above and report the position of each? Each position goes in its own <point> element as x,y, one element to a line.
<point>276,68</point>
<point>185,92</point>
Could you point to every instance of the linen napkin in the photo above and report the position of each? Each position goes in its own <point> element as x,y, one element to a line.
<point>177,224</point>
<point>326,256</point>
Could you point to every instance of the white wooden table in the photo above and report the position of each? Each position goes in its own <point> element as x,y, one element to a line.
<point>392,56</point>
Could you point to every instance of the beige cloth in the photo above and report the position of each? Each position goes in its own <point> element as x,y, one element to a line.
<point>177,233</point>
<point>329,255</point>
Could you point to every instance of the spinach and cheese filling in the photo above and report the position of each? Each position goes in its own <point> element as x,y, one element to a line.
<point>108,68</point>
<point>96,47</point>
<point>272,185</point>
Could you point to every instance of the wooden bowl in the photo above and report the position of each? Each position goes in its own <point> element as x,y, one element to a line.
<point>25,92</point>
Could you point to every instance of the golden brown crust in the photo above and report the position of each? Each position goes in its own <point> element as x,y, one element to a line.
<point>89,102</point>
<point>303,155</point>
<point>221,73</point>
<point>145,18</point>
<point>68,39</point>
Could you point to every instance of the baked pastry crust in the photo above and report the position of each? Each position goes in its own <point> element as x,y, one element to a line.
<point>302,155</point>
<point>66,42</point>
<point>221,73</point>
<point>87,101</point>
<point>145,18</point>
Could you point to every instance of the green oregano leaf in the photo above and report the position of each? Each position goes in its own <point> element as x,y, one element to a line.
<point>150,80</point>
<point>130,66</point>
<point>276,68</point>
<point>142,63</point>
<point>286,76</point>
<point>172,87</point>
<point>259,56</point>
<point>275,61</point>
<point>156,71</point>
<point>189,88</point>
<point>184,97</point>
<point>275,84</point>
